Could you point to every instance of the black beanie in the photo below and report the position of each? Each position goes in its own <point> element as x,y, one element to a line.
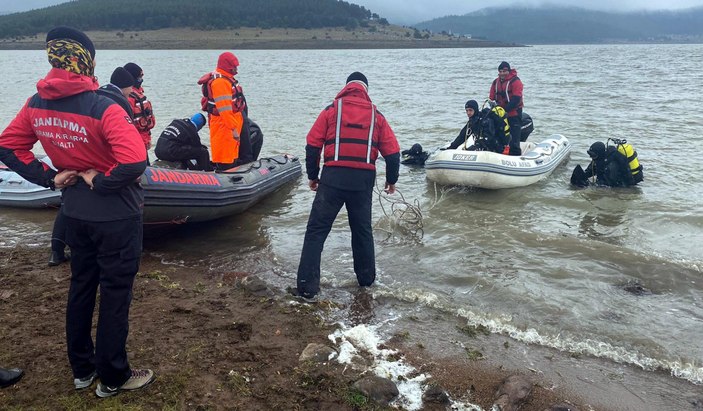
<point>504,65</point>
<point>121,78</point>
<point>356,76</point>
<point>472,104</point>
<point>134,70</point>
<point>63,32</point>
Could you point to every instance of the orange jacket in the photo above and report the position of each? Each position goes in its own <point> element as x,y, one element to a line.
<point>225,148</point>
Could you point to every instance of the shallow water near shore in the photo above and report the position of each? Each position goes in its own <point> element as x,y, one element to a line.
<point>544,265</point>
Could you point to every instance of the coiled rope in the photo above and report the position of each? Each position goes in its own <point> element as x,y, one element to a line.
<point>400,216</point>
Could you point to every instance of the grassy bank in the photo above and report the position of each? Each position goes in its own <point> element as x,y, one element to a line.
<point>216,341</point>
<point>254,38</point>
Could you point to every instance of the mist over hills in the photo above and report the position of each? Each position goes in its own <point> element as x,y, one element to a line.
<point>568,25</point>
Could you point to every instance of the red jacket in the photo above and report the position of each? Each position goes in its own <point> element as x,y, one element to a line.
<point>504,91</point>
<point>353,136</point>
<point>78,130</point>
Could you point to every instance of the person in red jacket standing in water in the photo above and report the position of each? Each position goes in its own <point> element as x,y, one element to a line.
<point>99,156</point>
<point>144,118</point>
<point>506,90</point>
<point>349,134</point>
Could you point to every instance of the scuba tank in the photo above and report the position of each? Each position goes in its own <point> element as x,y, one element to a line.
<point>628,151</point>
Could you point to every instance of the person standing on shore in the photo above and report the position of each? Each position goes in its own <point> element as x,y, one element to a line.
<point>227,110</point>
<point>99,156</point>
<point>143,113</point>
<point>506,90</point>
<point>118,90</point>
<point>349,134</point>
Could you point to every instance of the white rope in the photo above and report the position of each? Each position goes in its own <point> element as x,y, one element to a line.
<point>401,216</point>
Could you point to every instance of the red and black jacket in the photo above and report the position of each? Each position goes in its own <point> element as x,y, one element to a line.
<point>79,130</point>
<point>351,133</point>
<point>508,93</point>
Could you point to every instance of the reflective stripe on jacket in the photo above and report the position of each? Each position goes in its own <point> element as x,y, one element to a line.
<point>225,148</point>
<point>352,131</point>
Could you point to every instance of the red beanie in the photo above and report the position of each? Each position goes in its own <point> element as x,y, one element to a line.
<point>228,62</point>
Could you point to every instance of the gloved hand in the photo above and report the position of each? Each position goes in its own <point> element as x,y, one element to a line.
<point>235,135</point>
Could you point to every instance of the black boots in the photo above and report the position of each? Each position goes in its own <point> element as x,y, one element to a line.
<point>9,377</point>
<point>58,257</point>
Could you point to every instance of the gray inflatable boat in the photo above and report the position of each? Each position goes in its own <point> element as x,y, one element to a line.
<point>173,196</point>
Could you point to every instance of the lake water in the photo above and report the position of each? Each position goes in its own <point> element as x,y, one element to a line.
<point>545,264</point>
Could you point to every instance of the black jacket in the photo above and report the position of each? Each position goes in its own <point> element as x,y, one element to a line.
<point>114,93</point>
<point>180,142</point>
<point>611,170</point>
<point>471,127</point>
<point>488,127</point>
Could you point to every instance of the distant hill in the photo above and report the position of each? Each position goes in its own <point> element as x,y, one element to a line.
<point>222,24</point>
<point>567,25</point>
<point>205,15</point>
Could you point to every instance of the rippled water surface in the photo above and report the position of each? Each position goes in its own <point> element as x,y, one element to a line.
<point>544,264</point>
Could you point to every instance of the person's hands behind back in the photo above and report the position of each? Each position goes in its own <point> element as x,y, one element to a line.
<point>65,178</point>
<point>88,176</point>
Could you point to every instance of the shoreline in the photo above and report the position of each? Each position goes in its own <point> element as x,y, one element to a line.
<point>196,328</point>
<point>390,37</point>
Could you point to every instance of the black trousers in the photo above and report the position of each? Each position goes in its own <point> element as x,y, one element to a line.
<point>328,201</point>
<point>246,154</point>
<point>515,124</point>
<point>58,234</point>
<point>104,255</point>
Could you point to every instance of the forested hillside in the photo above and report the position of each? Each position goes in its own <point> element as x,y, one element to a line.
<point>555,25</point>
<point>205,15</point>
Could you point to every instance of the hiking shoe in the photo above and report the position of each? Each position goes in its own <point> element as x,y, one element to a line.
<point>85,382</point>
<point>139,379</point>
<point>304,297</point>
<point>58,258</point>
<point>10,377</point>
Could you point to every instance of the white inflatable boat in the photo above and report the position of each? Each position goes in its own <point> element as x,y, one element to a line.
<point>491,170</point>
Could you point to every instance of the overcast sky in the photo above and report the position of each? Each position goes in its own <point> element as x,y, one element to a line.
<point>415,11</point>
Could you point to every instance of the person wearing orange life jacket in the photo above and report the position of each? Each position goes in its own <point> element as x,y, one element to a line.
<point>227,110</point>
<point>349,134</point>
<point>506,90</point>
<point>144,118</point>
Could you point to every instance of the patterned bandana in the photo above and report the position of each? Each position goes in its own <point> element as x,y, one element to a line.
<point>71,56</point>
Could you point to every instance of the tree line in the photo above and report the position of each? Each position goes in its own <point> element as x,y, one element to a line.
<point>208,15</point>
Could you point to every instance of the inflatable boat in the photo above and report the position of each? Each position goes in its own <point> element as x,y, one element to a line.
<point>486,169</point>
<point>15,191</point>
<point>173,196</point>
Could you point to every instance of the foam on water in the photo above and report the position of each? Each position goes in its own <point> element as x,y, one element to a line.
<point>689,371</point>
<point>365,339</point>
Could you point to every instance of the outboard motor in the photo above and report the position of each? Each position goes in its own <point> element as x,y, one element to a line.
<point>527,126</point>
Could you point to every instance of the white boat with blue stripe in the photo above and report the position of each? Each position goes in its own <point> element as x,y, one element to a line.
<point>486,169</point>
